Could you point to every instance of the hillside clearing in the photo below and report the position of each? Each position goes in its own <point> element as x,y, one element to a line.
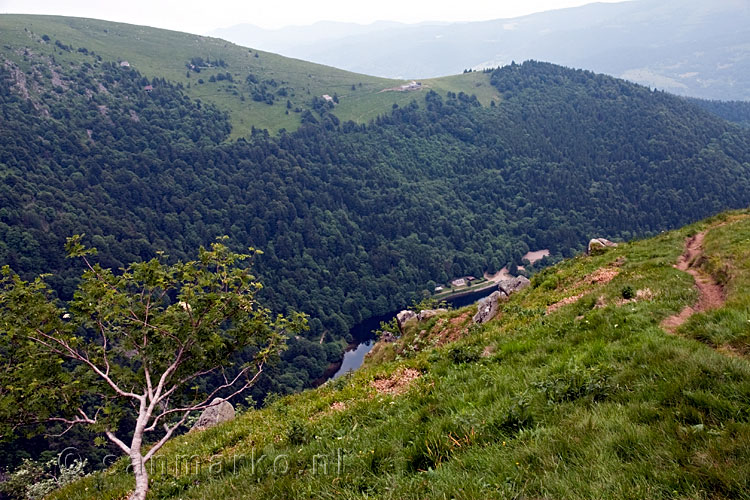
<point>159,53</point>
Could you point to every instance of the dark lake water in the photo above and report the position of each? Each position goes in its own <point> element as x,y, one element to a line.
<point>353,359</point>
<point>364,332</point>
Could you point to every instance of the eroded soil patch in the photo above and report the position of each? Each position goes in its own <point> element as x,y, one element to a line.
<point>601,276</point>
<point>396,384</point>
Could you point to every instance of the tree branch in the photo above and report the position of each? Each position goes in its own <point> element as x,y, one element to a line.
<point>184,381</point>
<point>118,442</point>
<point>104,346</point>
<point>83,419</point>
<point>206,402</point>
<point>165,438</point>
<point>71,424</point>
<point>147,376</point>
<point>74,354</point>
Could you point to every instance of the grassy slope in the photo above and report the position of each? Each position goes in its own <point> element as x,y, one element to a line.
<point>728,259</point>
<point>593,400</point>
<point>163,53</point>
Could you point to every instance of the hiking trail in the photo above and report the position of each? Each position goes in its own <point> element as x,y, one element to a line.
<point>710,293</point>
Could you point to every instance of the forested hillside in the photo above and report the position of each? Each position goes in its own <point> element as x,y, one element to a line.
<point>355,220</point>
<point>734,111</point>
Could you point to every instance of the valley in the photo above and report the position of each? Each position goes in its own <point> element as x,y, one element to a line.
<point>597,381</point>
<point>354,219</point>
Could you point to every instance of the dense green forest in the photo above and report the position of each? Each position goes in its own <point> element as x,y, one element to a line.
<point>734,111</point>
<point>355,220</point>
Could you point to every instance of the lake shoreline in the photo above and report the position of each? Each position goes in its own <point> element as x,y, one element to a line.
<point>363,332</point>
<point>332,368</point>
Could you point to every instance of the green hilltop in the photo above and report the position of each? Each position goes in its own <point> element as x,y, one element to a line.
<point>575,390</point>
<point>158,53</point>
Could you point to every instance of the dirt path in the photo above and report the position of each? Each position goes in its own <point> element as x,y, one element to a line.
<point>711,295</point>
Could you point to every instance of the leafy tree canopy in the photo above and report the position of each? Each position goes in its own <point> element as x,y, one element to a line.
<point>140,343</point>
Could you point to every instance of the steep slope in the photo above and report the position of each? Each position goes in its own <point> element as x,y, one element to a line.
<point>355,221</point>
<point>592,399</point>
<point>258,89</point>
<point>689,47</point>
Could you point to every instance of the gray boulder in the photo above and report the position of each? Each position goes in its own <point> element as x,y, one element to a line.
<point>426,314</point>
<point>487,307</point>
<point>513,285</point>
<point>599,245</point>
<point>403,317</point>
<point>219,411</point>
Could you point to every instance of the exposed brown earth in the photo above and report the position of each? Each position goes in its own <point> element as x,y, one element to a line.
<point>536,256</point>
<point>601,276</point>
<point>644,294</point>
<point>564,302</point>
<point>338,406</point>
<point>458,329</point>
<point>711,295</point>
<point>396,384</point>
<point>501,275</point>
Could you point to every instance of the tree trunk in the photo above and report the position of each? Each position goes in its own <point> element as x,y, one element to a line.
<point>141,477</point>
<point>136,458</point>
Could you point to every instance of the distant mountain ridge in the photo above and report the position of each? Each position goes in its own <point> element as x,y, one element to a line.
<point>687,47</point>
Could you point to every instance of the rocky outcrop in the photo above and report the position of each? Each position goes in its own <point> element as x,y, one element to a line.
<point>403,317</point>
<point>219,411</point>
<point>599,245</point>
<point>426,314</point>
<point>487,307</point>
<point>387,337</point>
<point>406,315</point>
<point>513,285</point>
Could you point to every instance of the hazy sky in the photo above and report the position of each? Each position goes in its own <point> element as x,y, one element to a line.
<point>201,16</point>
